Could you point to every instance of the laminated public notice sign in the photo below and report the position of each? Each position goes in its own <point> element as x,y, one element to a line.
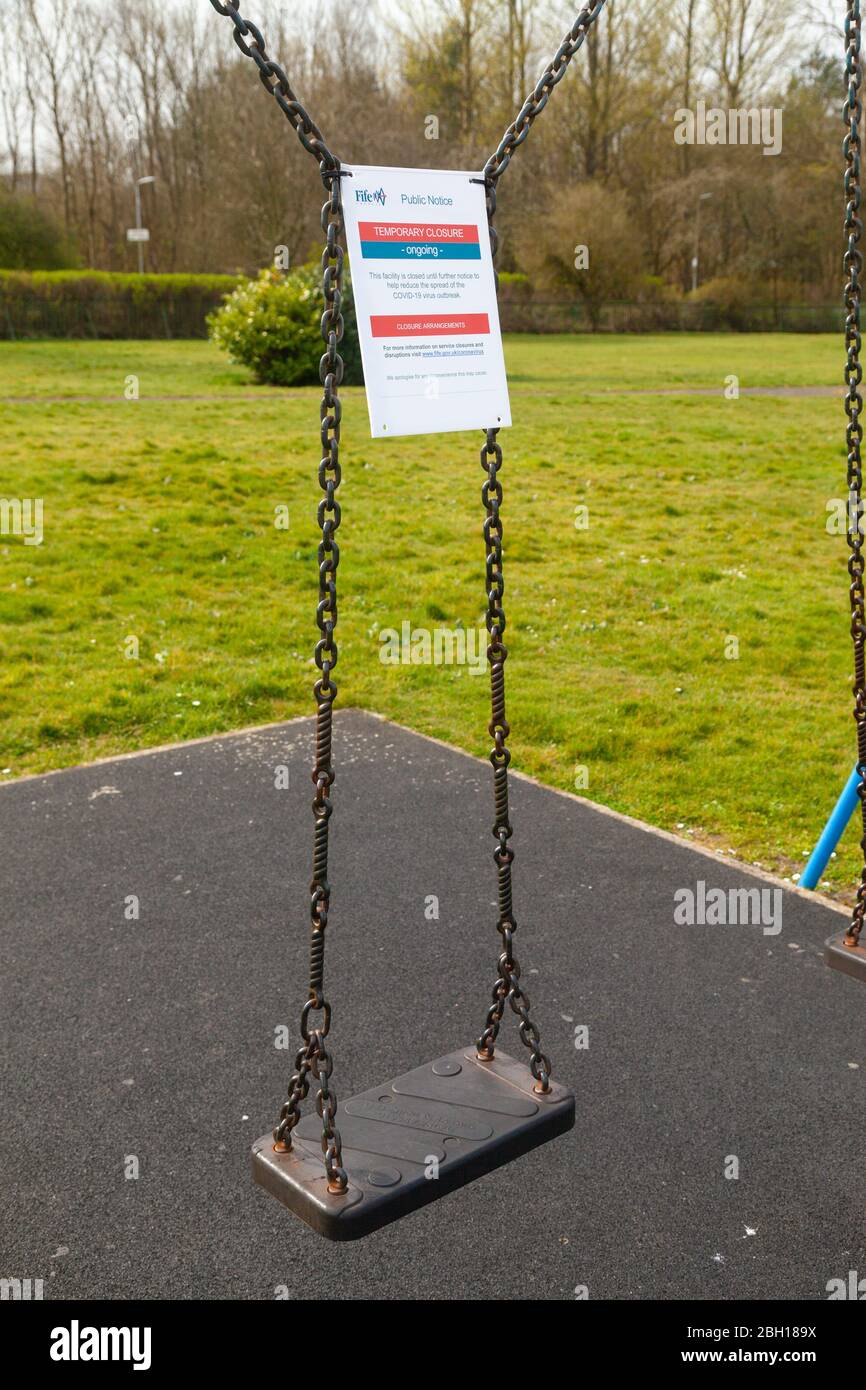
<point>425,300</point>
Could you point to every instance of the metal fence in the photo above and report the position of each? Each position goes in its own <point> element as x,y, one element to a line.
<point>115,316</point>
<point>109,316</point>
<point>529,314</point>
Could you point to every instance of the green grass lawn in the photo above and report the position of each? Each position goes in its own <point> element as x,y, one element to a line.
<point>707,521</point>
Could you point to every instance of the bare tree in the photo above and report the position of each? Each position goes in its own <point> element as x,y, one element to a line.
<point>92,96</point>
<point>684,21</point>
<point>51,26</point>
<point>87,123</point>
<point>747,40</point>
<point>12,100</point>
<point>620,84</point>
<point>446,61</point>
<point>30,84</point>
<point>517,47</point>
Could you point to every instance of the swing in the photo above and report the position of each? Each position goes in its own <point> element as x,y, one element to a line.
<point>433,1129</point>
<point>843,950</point>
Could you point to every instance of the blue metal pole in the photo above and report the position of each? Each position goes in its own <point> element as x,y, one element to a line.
<point>832,832</point>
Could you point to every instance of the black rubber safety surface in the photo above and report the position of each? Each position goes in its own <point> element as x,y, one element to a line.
<point>149,1045</point>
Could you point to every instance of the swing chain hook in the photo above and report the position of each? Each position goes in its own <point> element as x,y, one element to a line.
<point>506,988</point>
<point>853,264</point>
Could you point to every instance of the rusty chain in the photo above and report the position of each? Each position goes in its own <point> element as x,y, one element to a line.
<point>275,81</point>
<point>314,1058</point>
<point>540,94</point>
<point>853,408</point>
<point>506,988</point>
<point>313,1061</point>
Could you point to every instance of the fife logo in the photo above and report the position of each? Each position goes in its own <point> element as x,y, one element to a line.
<point>363,195</point>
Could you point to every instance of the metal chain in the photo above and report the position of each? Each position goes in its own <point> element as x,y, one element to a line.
<point>540,94</point>
<point>506,988</point>
<point>275,81</point>
<point>314,1058</point>
<point>854,433</point>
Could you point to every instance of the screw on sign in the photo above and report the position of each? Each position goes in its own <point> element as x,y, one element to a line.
<point>494,1107</point>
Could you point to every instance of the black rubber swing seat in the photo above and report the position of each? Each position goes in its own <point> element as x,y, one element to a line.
<point>851,960</point>
<point>412,1140</point>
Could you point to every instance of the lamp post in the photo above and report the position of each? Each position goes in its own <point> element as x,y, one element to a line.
<point>141,233</point>
<point>696,257</point>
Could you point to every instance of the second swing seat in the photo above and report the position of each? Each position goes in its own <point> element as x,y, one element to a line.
<point>851,960</point>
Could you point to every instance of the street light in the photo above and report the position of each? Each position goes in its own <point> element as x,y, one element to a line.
<point>138,233</point>
<point>695,258</point>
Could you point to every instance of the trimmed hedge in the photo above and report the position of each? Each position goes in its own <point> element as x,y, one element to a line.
<point>102,304</point>
<point>521,310</point>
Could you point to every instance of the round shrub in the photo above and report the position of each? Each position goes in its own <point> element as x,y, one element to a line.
<point>273,326</point>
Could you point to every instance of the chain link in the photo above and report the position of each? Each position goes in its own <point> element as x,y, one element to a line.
<point>853,407</point>
<point>275,81</point>
<point>540,94</point>
<point>506,988</point>
<point>314,1058</point>
<point>313,1061</point>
